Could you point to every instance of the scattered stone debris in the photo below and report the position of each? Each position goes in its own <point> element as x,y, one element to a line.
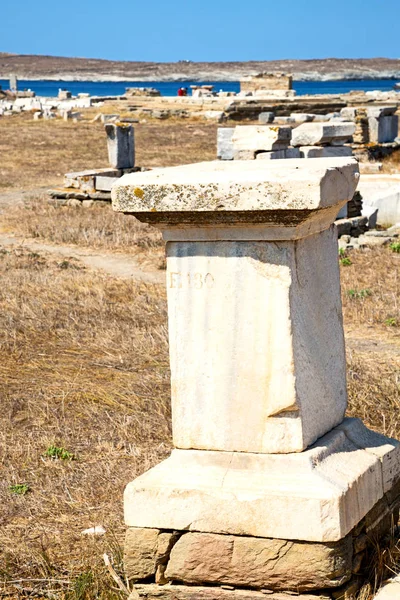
<point>93,186</point>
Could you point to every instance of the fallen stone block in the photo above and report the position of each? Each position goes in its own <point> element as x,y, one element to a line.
<point>324,151</point>
<point>258,138</point>
<point>215,115</point>
<point>383,129</point>
<point>370,168</point>
<point>103,184</point>
<point>266,117</point>
<point>285,120</point>
<point>315,134</point>
<point>279,154</point>
<point>302,117</point>
<point>87,178</point>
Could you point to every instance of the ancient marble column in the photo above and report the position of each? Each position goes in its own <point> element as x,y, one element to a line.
<point>258,374</point>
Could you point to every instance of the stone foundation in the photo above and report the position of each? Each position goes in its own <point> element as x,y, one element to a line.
<point>183,565</point>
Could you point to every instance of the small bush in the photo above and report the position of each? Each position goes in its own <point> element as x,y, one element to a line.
<point>20,489</point>
<point>58,453</point>
<point>345,262</point>
<point>391,322</point>
<point>359,294</point>
<point>395,247</point>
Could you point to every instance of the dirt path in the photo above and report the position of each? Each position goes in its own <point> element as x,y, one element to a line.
<point>121,265</point>
<point>118,265</point>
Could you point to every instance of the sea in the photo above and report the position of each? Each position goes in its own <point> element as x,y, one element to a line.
<point>170,88</point>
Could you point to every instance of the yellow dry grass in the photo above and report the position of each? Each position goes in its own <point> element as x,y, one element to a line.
<point>84,366</point>
<point>38,153</point>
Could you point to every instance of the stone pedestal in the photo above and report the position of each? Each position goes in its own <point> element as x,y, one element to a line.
<point>268,487</point>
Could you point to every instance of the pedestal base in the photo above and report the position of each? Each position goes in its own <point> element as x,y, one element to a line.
<point>318,495</point>
<point>206,566</point>
<point>263,524</point>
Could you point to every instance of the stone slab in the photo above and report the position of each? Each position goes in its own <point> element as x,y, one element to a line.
<point>220,388</point>
<point>256,138</point>
<point>206,558</point>
<point>185,592</point>
<point>318,495</point>
<point>104,184</point>
<point>311,134</point>
<point>74,180</point>
<point>215,191</point>
<point>390,591</point>
<point>224,143</point>
<point>325,151</point>
<point>266,117</point>
<point>278,154</point>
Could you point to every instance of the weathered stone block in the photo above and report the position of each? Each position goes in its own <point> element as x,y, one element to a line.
<point>266,117</point>
<point>278,154</point>
<point>260,563</point>
<point>121,145</point>
<point>310,134</point>
<point>256,138</point>
<point>324,151</point>
<point>224,143</point>
<point>145,549</point>
<point>383,129</point>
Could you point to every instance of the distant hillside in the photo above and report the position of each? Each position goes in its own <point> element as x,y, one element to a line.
<point>79,69</point>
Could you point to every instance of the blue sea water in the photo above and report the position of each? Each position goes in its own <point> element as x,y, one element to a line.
<point>168,88</point>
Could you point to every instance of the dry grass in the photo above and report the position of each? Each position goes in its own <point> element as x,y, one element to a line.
<point>371,297</point>
<point>38,153</point>
<point>83,360</point>
<point>98,227</point>
<point>391,164</point>
<point>84,367</point>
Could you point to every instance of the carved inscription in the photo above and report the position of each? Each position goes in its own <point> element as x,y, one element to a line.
<point>197,281</point>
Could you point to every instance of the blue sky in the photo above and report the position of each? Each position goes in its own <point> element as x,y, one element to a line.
<point>209,30</point>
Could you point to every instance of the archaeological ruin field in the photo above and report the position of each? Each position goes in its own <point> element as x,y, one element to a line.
<point>84,367</point>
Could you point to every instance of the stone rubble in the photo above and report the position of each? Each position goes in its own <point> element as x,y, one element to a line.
<point>93,186</point>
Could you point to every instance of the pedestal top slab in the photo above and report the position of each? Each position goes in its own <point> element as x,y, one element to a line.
<point>238,191</point>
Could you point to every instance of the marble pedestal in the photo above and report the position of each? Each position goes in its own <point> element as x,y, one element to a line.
<point>258,384</point>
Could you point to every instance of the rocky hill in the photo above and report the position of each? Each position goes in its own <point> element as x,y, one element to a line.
<point>80,69</point>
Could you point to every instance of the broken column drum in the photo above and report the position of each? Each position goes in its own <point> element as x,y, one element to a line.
<point>265,467</point>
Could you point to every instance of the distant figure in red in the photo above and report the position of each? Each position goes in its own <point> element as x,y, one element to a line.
<point>182,91</point>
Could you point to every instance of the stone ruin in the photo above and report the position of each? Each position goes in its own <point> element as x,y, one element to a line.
<point>270,490</point>
<point>268,84</point>
<point>266,142</point>
<point>376,130</point>
<point>93,186</point>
